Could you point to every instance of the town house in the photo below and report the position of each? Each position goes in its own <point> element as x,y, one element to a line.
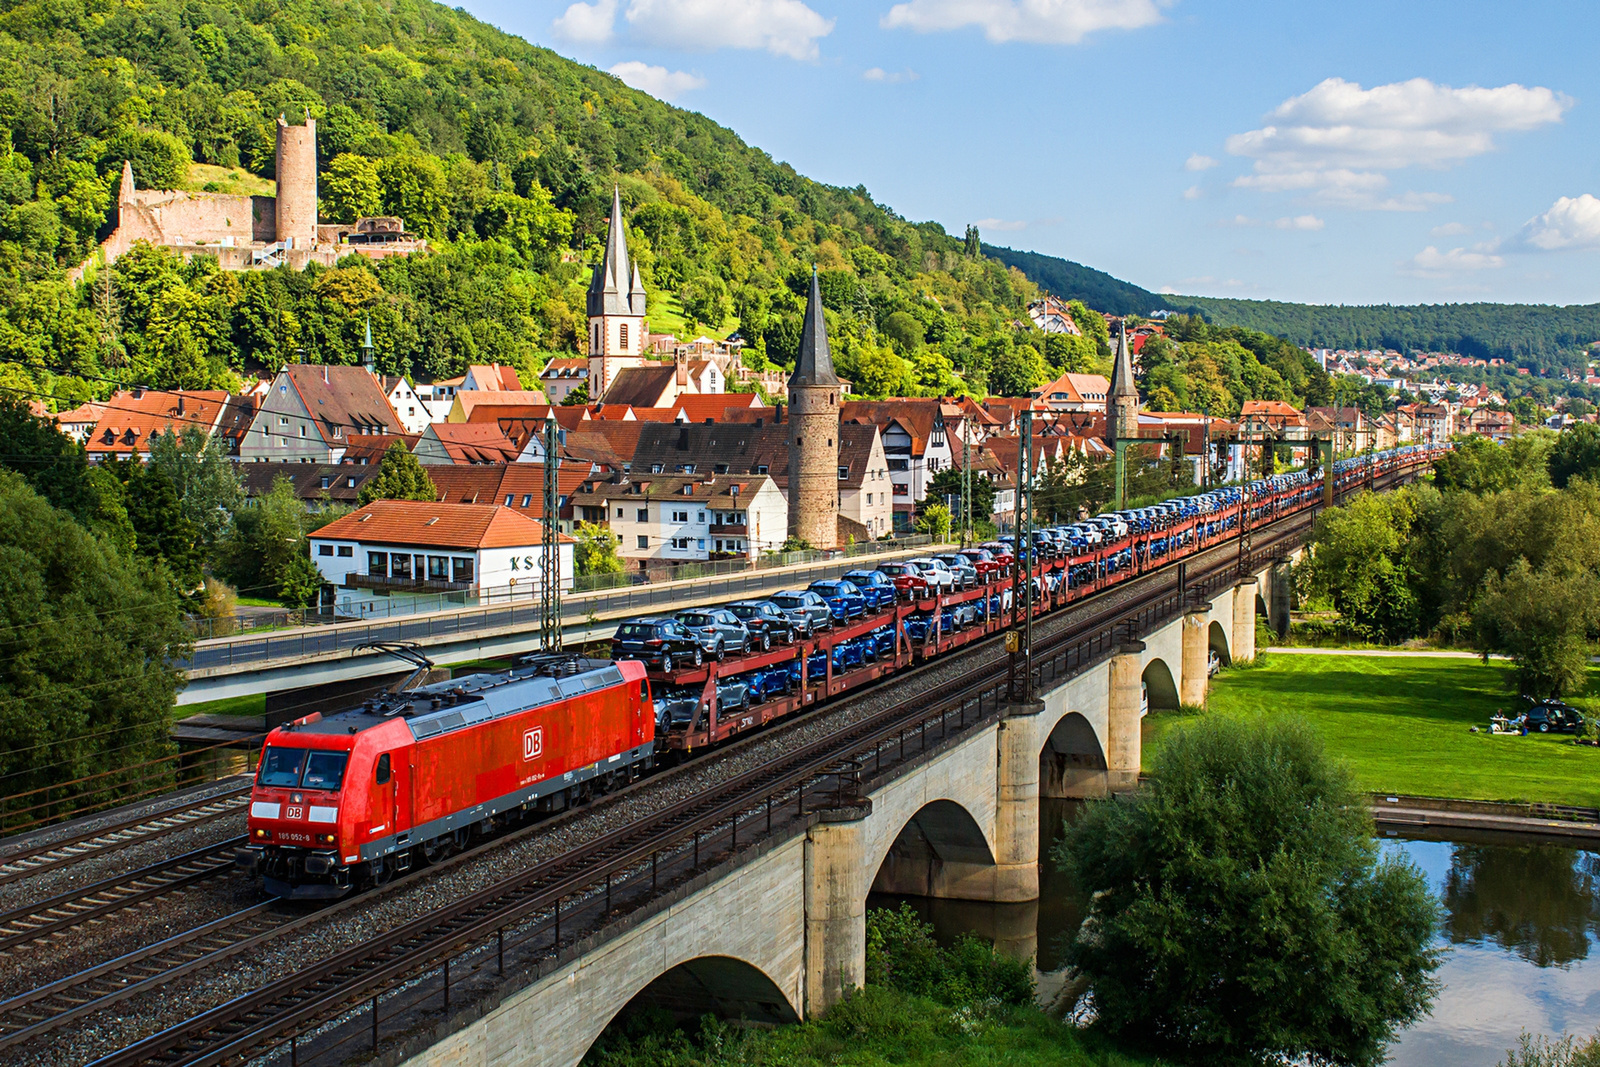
<point>410,546</point>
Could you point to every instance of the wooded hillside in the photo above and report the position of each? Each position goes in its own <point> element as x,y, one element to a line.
<point>501,153</point>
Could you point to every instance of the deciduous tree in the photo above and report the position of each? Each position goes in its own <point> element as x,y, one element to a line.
<point>400,477</point>
<point>86,651</point>
<point>596,550</point>
<point>1241,911</point>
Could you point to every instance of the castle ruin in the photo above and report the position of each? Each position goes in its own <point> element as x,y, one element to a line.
<point>251,232</point>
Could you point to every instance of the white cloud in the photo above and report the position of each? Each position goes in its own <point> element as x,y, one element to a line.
<point>878,74</point>
<point>1451,229</point>
<point>1031,21</point>
<point>1193,193</point>
<point>1336,142</point>
<point>1192,286</point>
<point>1300,222</point>
<point>1573,222</point>
<point>1432,263</point>
<point>587,23</point>
<point>1199,162</point>
<point>657,81</point>
<point>782,27</point>
<point>1003,225</point>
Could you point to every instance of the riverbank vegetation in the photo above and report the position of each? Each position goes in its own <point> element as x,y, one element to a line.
<point>1500,555</point>
<point>1565,1051</point>
<point>1241,911</point>
<point>923,1006</point>
<point>1403,724</point>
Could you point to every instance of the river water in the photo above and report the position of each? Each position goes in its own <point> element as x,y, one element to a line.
<point>1521,932</point>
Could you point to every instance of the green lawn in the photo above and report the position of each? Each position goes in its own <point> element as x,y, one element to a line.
<point>254,704</point>
<point>1403,724</point>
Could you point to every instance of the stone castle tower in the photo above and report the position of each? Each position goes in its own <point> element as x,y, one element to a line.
<point>814,433</point>
<point>297,184</point>
<point>1122,402</point>
<point>616,308</point>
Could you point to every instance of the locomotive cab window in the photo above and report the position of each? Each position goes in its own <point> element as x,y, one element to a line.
<point>383,769</point>
<point>297,768</point>
<point>324,770</point>
<point>281,767</point>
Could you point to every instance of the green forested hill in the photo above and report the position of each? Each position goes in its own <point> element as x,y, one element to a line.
<point>503,154</point>
<point>1074,281</point>
<point>1544,337</point>
<point>1539,336</point>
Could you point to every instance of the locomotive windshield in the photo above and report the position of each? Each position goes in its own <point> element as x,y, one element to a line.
<point>289,768</point>
<point>281,767</point>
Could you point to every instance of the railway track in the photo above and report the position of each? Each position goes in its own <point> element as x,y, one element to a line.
<point>53,916</point>
<point>132,830</point>
<point>537,913</point>
<point>49,1007</point>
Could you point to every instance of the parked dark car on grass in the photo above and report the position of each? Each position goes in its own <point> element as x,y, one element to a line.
<point>663,643</point>
<point>1553,716</point>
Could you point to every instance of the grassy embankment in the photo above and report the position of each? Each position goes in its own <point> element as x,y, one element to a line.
<point>1403,723</point>
<point>924,1005</point>
<point>882,1027</point>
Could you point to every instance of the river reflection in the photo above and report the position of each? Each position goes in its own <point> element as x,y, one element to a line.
<point>1521,922</point>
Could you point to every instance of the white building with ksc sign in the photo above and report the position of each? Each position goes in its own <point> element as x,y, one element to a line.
<point>405,547</point>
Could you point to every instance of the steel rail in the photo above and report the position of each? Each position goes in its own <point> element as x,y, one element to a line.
<point>133,830</point>
<point>398,957</point>
<point>30,922</point>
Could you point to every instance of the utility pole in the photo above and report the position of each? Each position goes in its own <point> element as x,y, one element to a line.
<point>966,480</point>
<point>550,584</point>
<point>1019,642</point>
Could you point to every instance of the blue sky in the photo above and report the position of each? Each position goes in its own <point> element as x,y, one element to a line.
<point>1400,151</point>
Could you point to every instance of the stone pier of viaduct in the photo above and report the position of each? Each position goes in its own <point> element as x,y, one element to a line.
<point>781,935</point>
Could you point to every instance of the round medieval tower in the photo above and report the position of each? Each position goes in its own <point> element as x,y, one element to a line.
<point>297,184</point>
<point>814,433</point>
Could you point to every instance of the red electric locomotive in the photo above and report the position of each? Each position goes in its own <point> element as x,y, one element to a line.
<point>345,801</point>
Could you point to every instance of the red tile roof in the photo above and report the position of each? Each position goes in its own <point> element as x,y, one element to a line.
<point>131,418</point>
<point>426,524</point>
<point>711,407</point>
<point>473,442</point>
<point>346,399</point>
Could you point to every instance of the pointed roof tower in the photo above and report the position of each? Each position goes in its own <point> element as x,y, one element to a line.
<point>1122,384</point>
<point>616,288</point>
<point>814,364</point>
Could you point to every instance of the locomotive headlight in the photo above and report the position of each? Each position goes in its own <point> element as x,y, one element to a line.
<point>329,838</point>
<point>261,833</point>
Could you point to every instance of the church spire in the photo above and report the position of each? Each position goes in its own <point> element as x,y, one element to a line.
<point>814,364</point>
<point>1122,383</point>
<point>616,288</point>
<point>1122,404</point>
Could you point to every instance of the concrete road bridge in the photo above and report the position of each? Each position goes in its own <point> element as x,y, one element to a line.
<point>329,660</point>
<point>777,931</point>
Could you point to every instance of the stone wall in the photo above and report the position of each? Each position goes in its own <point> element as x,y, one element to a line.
<point>814,465</point>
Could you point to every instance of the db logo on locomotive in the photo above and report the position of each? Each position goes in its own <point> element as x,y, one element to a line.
<point>533,743</point>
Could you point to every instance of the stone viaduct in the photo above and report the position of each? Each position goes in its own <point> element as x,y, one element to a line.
<point>781,935</point>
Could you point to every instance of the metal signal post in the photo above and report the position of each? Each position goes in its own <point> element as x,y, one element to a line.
<point>550,588</point>
<point>966,480</point>
<point>1019,642</point>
